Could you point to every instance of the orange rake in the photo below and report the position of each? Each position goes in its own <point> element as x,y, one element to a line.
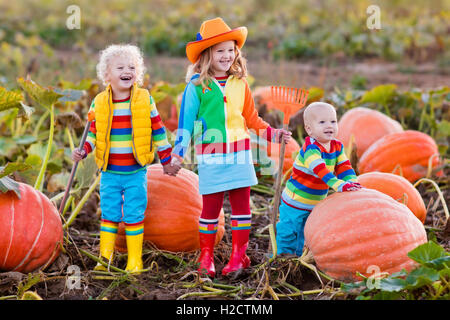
<point>289,101</point>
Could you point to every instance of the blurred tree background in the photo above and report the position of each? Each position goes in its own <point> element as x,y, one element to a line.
<point>35,40</point>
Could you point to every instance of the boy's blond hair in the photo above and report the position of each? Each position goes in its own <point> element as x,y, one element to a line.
<point>203,67</point>
<point>125,50</point>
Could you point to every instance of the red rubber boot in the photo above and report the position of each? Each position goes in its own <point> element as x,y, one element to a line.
<point>206,259</point>
<point>238,259</point>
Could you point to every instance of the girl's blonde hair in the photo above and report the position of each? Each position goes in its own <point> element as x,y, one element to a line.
<point>203,66</point>
<point>123,50</point>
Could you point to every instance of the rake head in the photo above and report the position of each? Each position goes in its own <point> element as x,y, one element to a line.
<point>288,100</point>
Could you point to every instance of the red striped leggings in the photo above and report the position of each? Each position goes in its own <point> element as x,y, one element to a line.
<point>239,200</point>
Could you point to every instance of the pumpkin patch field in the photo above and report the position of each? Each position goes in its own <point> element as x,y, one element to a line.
<point>390,88</point>
<point>346,235</point>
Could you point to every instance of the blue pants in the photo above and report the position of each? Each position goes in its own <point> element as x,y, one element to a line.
<point>123,191</point>
<point>290,230</point>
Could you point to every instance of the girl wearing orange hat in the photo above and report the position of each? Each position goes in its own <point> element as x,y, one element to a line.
<point>218,110</point>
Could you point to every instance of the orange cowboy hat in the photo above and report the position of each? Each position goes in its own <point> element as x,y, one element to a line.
<point>212,32</point>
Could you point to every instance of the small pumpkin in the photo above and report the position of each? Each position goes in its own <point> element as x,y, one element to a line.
<point>31,231</point>
<point>263,96</point>
<point>367,126</point>
<point>408,151</point>
<point>349,232</point>
<point>396,187</point>
<point>172,214</point>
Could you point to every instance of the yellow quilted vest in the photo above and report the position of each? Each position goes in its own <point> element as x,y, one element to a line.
<point>141,126</point>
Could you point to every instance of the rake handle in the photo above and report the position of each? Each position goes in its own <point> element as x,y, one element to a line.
<point>74,169</point>
<point>276,201</point>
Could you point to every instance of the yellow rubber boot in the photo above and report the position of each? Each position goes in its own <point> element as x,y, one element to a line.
<point>135,238</point>
<point>107,241</point>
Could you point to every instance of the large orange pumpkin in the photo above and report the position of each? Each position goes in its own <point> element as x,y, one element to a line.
<point>263,96</point>
<point>173,209</point>
<point>367,126</point>
<point>409,151</point>
<point>397,187</point>
<point>349,232</point>
<point>31,231</point>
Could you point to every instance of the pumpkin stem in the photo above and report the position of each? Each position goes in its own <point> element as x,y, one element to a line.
<point>40,179</point>
<point>69,136</point>
<point>399,168</point>
<point>430,164</point>
<point>438,190</point>
<point>403,199</point>
<point>40,122</point>
<point>273,242</point>
<point>101,262</point>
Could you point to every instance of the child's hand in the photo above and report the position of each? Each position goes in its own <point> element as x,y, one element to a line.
<point>282,134</point>
<point>78,154</point>
<point>172,168</point>
<point>351,186</point>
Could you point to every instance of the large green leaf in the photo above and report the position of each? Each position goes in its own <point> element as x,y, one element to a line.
<point>351,286</point>
<point>25,139</point>
<point>29,176</point>
<point>69,94</point>
<point>56,158</point>
<point>10,99</point>
<point>443,128</point>
<point>430,254</point>
<point>58,182</point>
<point>380,94</point>
<point>13,99</point>
<point>8,184</point>
<point>421,277</point>
<point>46,97</point>
<point>8,147</point>
<point>12,167</point>
<point>391,284</point>
<point>86,172</point>
<point>38,149</point>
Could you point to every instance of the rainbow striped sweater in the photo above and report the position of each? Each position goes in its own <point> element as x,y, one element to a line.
<point>315,170</point>
<point>121,158</point>
<point>218,118</point>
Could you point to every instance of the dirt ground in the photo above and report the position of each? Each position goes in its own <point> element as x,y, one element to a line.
<point>172,275</point>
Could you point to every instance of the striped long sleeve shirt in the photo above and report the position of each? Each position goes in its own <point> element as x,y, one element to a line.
<point>316,170</point>
<point>121,158</point>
